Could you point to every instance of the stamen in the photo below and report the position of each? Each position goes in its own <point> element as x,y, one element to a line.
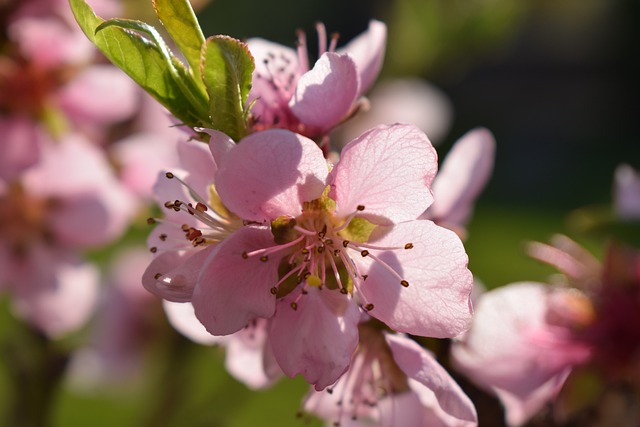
<point>303,55</point>
<point>151,221</point>
<point>322,38</point>
<point>334,42</point>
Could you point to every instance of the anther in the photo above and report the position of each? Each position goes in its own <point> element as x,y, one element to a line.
<point>274,290</point>
<point>199,241</point>
<point>153,249</point>
<point>168,205</point>
<point>200,207</point>
<point>344,291</point>
<point>404,283</point>
<point>364,276</point>
<point>408,246</point>
<point>364,253</point>
<point>294,306</point>
<point>169,175</point>
<point>157,276</point>
<point>163,237</point>
<point>328,242</point>
<point>345,243</point>
<point>264,258</point>
<point>245,255</point>
<point>185,227</point>
<point>304,251</point>
<point>360,207</point>
<point>151,221</point>
<point>368,307</point>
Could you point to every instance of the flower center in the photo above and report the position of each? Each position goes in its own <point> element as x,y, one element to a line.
<point>318,248</point>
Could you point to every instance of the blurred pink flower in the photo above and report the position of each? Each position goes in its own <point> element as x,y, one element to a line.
<point>530,358</point>
<point>392,381</point>
<point>67,202</point>
<point>51,83</point>
<point>320,244</point>
<point>290,94</point>
<point>124,323</point>
<point>406,100</point>
<point>533,335</point>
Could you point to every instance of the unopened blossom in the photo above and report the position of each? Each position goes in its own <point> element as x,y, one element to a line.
<point>588,318</point>
<point>288,92</point>
<point>627,193</point>
<point>462,176</point>
<point>320,245</point>
<point>392,381</point>
<point>67,202</point>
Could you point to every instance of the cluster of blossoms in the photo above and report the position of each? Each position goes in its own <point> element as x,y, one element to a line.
<point>301,265</point>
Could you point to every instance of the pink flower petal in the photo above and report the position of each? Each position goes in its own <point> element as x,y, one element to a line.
<point>57,295</point>
<point>367,50</point>
<point>249,357</point>
<point>141,156</point>
<point>325,94</point>
<point>388,170</point>
<point>20,147</point>
<point>219,144</point>
<point>49,42</point>
<point>182,317</point>
<point>271,173</point>
<point>173,275</point>
<point>437,301</point>
<point>114,97</point>
<point>232,290</point>
<point>462,177</point>
<point>196,158</point>
<point>317,338</point>
<point>437,391</point>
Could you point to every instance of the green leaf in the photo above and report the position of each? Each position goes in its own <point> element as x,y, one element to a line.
<point>227,67</point>
<point>147,60</point>
<point>179,19</point>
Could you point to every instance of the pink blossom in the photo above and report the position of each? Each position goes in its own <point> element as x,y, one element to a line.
<point>534,335</point>
<point>392,381</point>
<point>67,202</point>
<point>320,244</point>
<point>290,94</point>
<point>530,357</point>
<point>463,175</point>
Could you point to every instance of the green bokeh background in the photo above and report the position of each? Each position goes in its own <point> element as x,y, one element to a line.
<point>555,81</point>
